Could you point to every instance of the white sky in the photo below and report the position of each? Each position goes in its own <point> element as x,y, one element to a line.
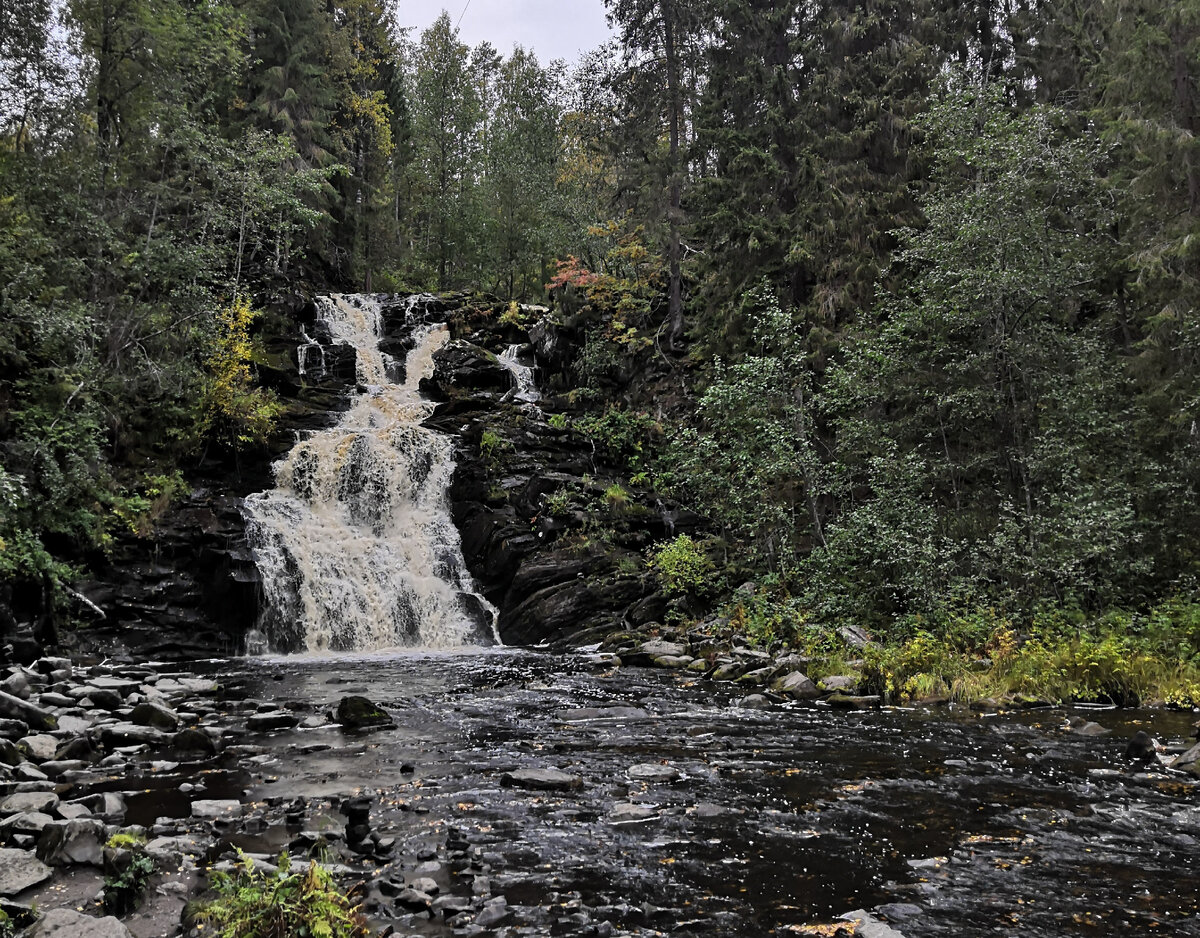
<point>554,29</point>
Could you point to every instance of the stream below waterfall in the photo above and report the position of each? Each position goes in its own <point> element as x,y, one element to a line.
<point>738,822</point>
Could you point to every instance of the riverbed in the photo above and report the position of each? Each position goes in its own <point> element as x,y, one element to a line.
<point>755,822</point>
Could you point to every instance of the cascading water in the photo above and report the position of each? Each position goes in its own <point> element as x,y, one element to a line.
<point>523,377</point>
<point>355,544</point>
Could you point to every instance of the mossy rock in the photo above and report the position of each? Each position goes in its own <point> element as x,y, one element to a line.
<point>355,713</point>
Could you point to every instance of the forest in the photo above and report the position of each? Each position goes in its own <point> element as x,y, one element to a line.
<point>924,277</point>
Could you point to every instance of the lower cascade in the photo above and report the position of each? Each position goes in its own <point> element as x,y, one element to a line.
<point>355,544</point>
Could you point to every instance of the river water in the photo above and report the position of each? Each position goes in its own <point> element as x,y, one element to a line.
<point>943,821</point>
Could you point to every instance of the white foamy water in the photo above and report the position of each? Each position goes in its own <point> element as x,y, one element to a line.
<point>523,377</point>
<point>355,544</point>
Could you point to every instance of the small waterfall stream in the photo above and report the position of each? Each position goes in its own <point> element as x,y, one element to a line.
<point>525,389</point>
<point>355,544</point>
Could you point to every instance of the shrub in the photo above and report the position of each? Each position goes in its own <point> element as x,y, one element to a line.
<point>682,567</point>
<point>123,890</point>
<point>282,904</point>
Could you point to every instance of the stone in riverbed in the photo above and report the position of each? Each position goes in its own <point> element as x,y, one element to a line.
<point>130,734</point>
<point>846,702</point>
<point>355,713</point>
<point>673,662</point>
<point>728,671</point>
<point>67,923</point>
<point>20,869</point>
<point>797,686</point>
<point>43,801</point>
<point>753,702</point>
<point>41,747</point>
<point>14,708</point>
<point>757,677</point>
<point>155,715</point>
<point>603,713</point>
<point>1189,762</point>
<point>541,780</point>
<point>193,743</point>
<point>211,810</point>
<point>105,698</point>
<point>658,648</point>
<point>27,822</point>
<point>67,843</point>
<point>631,812</point>
<point>839,682</point>
<point>13,729</point>
<point>272,720</point>
<point>653,772</point>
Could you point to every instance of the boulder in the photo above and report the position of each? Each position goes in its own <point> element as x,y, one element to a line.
<point>753,702</point>
<point>541,780</point>
<point>272,720</point>
<point>355,713</point>
<point>69,843</point>
<point>40,748</point>
<point>653,772</point>
<point>1189,762</point>
<point>43,801</point>
<point>193,743</point>
<point>13,729</point>
<point>14,708</point>
<point>797,686</point>
<point>156,715</point>
<point>27,822</point>
<point>130,734</point>
<point>67,923</point>
<point>20,869</point>
<point>211,810</point>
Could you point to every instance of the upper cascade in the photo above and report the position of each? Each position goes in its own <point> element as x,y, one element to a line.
<point>355,544</point>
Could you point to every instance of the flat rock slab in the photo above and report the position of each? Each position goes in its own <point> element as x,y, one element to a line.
<point>658,648</point>
<point>20,869</point>
<point>211,810</point>
<point>14,708</point>
<point>653,772</point>
<point>867,926</point>
<point>66,923</point>
<point>41,747</point>
<point>185,685</point>
<point>272,720</point>
<point>542,780</point>
<point>632,812</point>
<point>42,801</point>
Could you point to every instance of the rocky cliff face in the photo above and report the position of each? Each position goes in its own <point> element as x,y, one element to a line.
<point>553,546</point>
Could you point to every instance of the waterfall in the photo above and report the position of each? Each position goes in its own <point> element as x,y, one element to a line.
<point>355,543</point>
<point>523,379</point>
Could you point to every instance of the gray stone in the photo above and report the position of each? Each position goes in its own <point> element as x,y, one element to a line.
<point>185,685</point>
<point>673,662</point>
<point>657,648</point>
<point>14,708</point>
<point>157,715</point>
<point>27,822</point>
<point>17,685</point>
<point>20,869</point>
<point>839,682</point>
<point>414,899</point>
<point>52,699</point>
<point>728,671</point>
<point>69,723</point>
<point>43,801</point>
<point>632,812</point>
<point>174,849</point>
<point>28,772</point>
<point>67,923</point>
<point>1189,762</point>
<point>797,686</point>
<point>753,702</point>
<point>13,729</point>
<point>847,702</point>
<point>757,677</point>
<point>70,843</point>
<point>867,926</point>
<point>211,810</point>
<point>494,912</point>
<point>541,780</point>
<point>426,885</point>
<point>72,812</point>
<point>653,772</point>
<point>57,768</point>
<point>40,747</point>
<point>105,698</point>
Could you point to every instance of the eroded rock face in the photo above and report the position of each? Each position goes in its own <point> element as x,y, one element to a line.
<point>67,923</point>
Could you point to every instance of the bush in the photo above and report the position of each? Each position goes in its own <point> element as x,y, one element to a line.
<point>283,904</point>
<point>682,567</point>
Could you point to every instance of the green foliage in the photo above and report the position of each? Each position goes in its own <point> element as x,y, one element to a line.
<point>284,904</point>
<point>682,566</point>
<point>616,496</point>
<point>558,503</point>
<point>124,890</point>
<point>493,447</point>
<point>623,437</point>
<point>559,421</point>
<point>123,840</point>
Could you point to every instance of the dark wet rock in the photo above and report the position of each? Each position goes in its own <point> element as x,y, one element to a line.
<point>9,753</point>
<point>1082,727</point>
<point>57,768</point>
<point>105,698</point>
<point>355,713</point>
<point>673,662</point>
<point>157,715</point>
<point>657,648</point>
<point>899,911</point>
<point>20,869</point>
<point>70,843</point>
<point>130,734</point>
<point>13,729</point>
<point>414,900</point>
<point>272,720</point>
<point>67,923</point>
<point>753,702</point>
<point>79,748</point>
<point>37,718</point>
<point>849,702</point>
<point>759,677</point>
<point>728,670</point>
<point>653,772</point>
<point>541,780</point>
<point>495,911</point>
<point>461,366</point>
<point>17,685</point>
<point>27,822</point>
<point>1141,748</point>
<point>193,742</point>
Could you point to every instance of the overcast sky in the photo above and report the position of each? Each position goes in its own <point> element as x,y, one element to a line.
<point>554,29</point>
